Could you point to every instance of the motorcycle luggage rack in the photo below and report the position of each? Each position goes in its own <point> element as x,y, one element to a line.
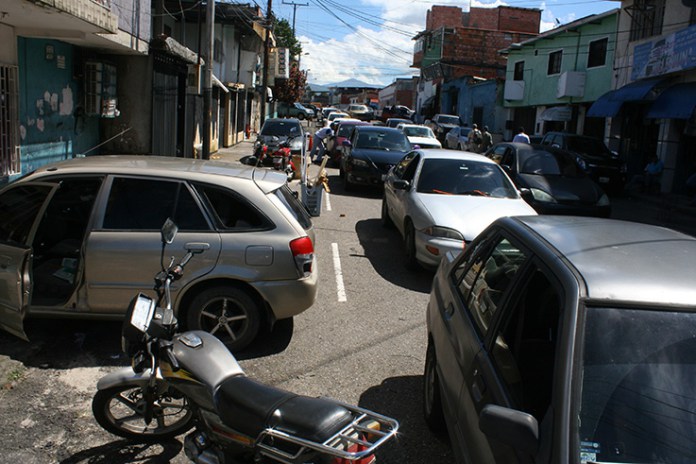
<point>359,432</point>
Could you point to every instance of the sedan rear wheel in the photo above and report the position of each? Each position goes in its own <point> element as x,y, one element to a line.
<point>432,401</point>
<point>229,313</point>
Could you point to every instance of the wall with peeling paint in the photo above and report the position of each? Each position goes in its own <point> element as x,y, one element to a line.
<point>52,123</point>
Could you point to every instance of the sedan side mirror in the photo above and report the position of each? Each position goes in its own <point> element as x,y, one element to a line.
<point>526,195</point>
<point>346,143</point>
<point>401,184</point>
<point>511,427</point>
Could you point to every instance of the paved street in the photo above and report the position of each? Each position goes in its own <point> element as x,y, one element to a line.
<point>362,342</point>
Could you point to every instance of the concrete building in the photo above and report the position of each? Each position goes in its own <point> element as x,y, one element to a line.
<point>400,92</point>
<point>552,79</point>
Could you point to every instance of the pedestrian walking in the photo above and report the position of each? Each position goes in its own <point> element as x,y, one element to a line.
<point>474,139</point>
<point>486,140</point>
<point>521,136</point>
<point>319,143</point>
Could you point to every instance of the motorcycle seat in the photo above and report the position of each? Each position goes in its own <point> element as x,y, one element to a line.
<point>250,407</point>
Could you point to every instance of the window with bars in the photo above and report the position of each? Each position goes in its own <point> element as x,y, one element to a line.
<point>100,90</point>
<point>646,18</point>
<point>9,122</point>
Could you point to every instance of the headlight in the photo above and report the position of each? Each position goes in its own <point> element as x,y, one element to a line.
<point>604,201</point>
<point>359,163</point>
<point>540,195</point>
<point>443,232</point>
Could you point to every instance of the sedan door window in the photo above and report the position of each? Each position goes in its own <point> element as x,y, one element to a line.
<point>18,209</point>
<point>144,204</point>
<point>487,280</point>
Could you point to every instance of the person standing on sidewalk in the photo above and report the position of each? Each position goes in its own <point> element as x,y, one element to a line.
<point>319,144</point>
<point>486,140</point>
<point>521,137</point>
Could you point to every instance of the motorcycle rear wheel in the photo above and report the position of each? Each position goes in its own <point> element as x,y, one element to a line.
<point>120,410</point>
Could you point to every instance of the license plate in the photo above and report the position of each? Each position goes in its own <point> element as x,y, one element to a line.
<point>604,180</point>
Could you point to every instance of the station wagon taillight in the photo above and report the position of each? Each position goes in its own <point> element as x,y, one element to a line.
<point>303,251</point>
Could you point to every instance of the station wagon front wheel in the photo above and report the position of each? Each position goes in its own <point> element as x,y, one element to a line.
<point>432,401</point>
<point>229,313</point>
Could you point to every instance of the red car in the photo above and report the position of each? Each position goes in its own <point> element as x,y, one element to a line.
<point>342,132</point>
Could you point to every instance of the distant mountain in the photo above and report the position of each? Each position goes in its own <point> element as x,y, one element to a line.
<point>354,83</point>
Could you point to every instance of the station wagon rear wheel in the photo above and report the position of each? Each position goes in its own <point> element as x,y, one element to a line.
<point>432,402</point>
<point>229,313</point>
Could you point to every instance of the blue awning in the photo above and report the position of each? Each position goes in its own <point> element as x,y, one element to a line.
<point>609,104</point>
<point>675,102</point>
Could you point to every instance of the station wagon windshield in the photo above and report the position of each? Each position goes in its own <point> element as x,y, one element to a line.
<point>638,387</point>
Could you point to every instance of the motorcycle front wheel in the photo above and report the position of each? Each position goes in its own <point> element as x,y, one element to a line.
<point>121,409</point>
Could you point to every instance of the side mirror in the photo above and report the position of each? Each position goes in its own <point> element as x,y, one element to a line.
<point>416,147</point>
<point>168,231</point>
<point>401,184</point>
<point>346,143</point>
<point>511,427</point>
<point>526,195</point>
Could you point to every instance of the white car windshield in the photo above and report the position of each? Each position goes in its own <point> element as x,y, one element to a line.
<point>418,131</point>
<point>464,177</point>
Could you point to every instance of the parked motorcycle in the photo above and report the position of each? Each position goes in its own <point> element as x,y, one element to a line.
<point>178,381</point>
<point>276,155</point>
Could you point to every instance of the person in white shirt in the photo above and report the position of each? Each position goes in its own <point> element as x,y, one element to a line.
<point>319,144</point>
<point>521,136</point>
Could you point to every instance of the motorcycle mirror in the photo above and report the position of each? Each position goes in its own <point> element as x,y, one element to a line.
<point>169,231</point>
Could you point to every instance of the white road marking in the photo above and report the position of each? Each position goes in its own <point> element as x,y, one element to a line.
<point>328,201</point>
<point>340,289</point>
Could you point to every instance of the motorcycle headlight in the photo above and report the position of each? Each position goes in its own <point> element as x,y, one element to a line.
<point>540,195</point>
<point>359,163</point>
<point>443,232</point>
<point>603,201</point>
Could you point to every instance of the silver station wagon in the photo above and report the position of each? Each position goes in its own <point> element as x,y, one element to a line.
<point>80,238</point>
<point>565,340</point>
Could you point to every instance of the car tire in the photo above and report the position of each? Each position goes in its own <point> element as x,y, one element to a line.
<point>300,116</point>
<point>432,401</point>
<point>229,313</point>
<point>410,244</point>
<point>386,220</point>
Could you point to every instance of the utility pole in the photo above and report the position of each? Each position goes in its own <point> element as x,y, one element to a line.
<point>294,11</point>
<point>208,77</point>
<point>266,52</point>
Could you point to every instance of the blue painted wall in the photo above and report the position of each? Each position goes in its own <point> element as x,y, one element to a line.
<point>470,95</point>
<point>53,126</point>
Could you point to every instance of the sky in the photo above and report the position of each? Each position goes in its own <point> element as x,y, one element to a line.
<point>371,40</point>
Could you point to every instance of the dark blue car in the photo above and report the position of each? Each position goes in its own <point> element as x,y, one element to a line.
<point>370,153</point>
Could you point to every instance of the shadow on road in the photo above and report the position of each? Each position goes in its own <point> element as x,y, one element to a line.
<point>337,186</point>
<point>385,250</point>
<point>64,344</point>
<point>123,451</point>
<point>401,398</point>
<point>269,341</point>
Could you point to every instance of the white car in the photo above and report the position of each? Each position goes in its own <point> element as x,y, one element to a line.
<point>420,135</point>
<point>333,115</point>
<point>441,200</point>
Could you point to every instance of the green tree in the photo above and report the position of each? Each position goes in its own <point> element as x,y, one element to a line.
<point>285,37</point>
<point>292,89</point>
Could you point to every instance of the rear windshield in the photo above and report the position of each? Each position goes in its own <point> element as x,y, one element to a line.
<point>542,162</point>
<point>448,120</point>
<point>288,198</point>
<point>588,146</point>
<point>280,128</point>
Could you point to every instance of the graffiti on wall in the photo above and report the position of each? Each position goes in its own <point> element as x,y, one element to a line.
<point>52,111</point>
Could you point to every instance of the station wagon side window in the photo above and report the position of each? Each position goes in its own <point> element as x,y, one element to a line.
<point>232,211</point>
<point>487,279</point>
<point>524,347</point>
<point>144,204</point>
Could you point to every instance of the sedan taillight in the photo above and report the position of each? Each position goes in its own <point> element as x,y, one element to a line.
<point>303,251</point>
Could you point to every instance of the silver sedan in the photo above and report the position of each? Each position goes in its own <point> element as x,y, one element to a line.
<point>440,201</point>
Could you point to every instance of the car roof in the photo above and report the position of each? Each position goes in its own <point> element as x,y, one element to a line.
<point>442,153</point>
<point>622,261</point>
<point>293,120</point>
<point>371,128</point>
<point>164,166</point>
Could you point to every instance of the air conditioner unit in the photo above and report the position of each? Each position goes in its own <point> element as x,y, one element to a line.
<point>571,84</point>
<point>514,90</point>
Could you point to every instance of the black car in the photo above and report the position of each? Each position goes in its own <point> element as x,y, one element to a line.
<point>555,183</point>
<point>370,154</point>
<point>278,130</point>
<point>603,165</point>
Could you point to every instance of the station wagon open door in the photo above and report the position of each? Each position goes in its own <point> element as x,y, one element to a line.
<point>20,207</point>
